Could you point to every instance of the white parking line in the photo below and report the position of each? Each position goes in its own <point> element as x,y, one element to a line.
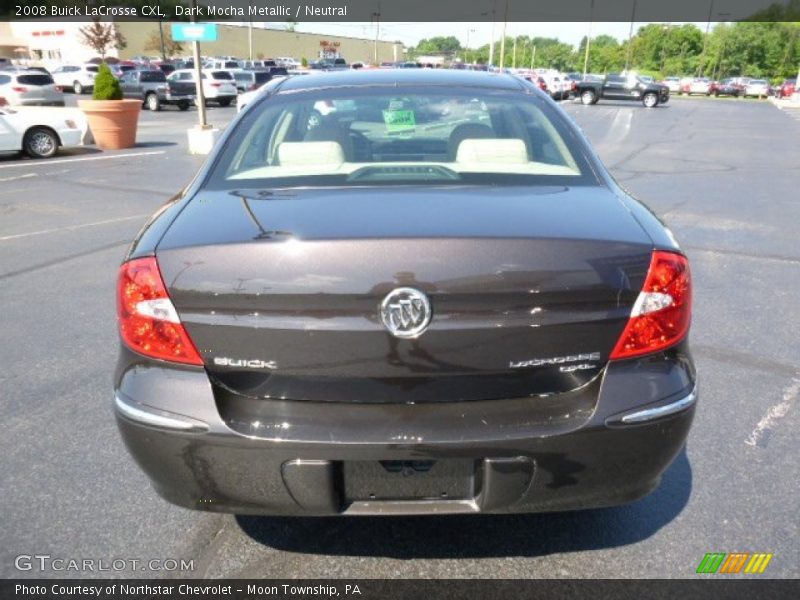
<point>47,163</point>
<point>71,227</point>
<point>26,176</point>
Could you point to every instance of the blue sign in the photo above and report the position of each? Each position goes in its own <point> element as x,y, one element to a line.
<point>194,32</point>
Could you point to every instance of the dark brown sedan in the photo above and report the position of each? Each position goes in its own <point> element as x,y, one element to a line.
<point>402,292</point>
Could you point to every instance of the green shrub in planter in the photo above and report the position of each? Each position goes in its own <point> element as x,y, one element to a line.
<point>106,86</point>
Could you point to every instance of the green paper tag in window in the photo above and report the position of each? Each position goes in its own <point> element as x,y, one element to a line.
<point>398,121</point>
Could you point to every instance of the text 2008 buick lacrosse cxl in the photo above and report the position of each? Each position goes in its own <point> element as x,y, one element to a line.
<point>402,292</point>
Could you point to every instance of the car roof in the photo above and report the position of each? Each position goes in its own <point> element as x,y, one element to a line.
<point>403,77</point>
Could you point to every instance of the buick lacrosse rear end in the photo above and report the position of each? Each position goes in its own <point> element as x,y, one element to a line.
<point>400,292</point>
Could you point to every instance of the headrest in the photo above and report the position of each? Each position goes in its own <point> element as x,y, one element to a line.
<point>304,154</point>
<point>505,151</point>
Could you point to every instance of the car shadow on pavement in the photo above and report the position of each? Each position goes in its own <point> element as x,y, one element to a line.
<point>154,144</point>
<point>72,152</point>
<point>480,536</point>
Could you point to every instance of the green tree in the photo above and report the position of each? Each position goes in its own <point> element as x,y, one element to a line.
<point>446,46</point>
<point>106,86</point>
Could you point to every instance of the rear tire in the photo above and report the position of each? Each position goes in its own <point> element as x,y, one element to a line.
<point>153,102</point>
<point>40,142</point>
<point>77,87</point>
<point>588,97</point>
<point>183,106</point>
<point>650,100</point>
<point>225,101</point>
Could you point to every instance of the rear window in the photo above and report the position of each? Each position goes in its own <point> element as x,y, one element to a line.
<point>152,76</point>
<point>264,76</point>
<point>221,75</point>
<point>382,137</point>
<point>35,79</point>
<point>92,69</point>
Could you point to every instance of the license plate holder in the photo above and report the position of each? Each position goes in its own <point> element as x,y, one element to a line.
<point>448,479</point>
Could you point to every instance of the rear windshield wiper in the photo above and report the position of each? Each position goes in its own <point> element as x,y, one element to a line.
<point>261,194</point>
<point>263,232</point>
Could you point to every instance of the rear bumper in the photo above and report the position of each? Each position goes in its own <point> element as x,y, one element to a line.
<point>610,446</point>
<point>176,98</point>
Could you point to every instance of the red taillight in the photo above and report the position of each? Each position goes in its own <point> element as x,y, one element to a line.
<point>58,88</point>
<point>148,322</point>
<point>19,89</point>
<point>662,312</point>
<point>214,84</point>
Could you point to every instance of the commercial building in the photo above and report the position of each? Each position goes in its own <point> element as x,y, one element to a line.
<point>11,47</point>
<point>57,42</point>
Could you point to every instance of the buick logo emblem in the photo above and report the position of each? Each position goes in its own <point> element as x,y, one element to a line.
<point>406,312</point>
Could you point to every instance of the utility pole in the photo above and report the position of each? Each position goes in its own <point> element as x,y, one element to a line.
<point>503,41</point>
<point>588,40</point>
<point>377,15</point>
<point>701,67</point>
<point>630,38</point>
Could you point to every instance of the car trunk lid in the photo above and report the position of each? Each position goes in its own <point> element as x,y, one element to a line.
<point>529,289</point>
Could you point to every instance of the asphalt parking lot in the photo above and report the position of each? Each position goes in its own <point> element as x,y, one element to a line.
<point>724,175</point>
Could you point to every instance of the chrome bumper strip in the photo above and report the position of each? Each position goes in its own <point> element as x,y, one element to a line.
<point>158,418</point>
<point>661,411</point>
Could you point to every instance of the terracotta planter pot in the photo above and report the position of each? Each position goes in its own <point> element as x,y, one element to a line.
<point>112,122</point>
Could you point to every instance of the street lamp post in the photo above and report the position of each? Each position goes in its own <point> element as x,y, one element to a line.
<point>503,40</point>
<point>514,59</point>
<point>630,38</point>
<point>201,99</point>
<point>250,36</point>
<point>491,46</point>
<point>377,15</point>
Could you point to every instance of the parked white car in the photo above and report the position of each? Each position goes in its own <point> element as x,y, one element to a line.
<point>30,88</point>
<point>757,87</point>
<point>697,85</point>
<point>39,133</point>
<point>673,83</point>
<point>78,78</point>
<point>218,86</point>
<point>288,62</point>
<point>224,64</point>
